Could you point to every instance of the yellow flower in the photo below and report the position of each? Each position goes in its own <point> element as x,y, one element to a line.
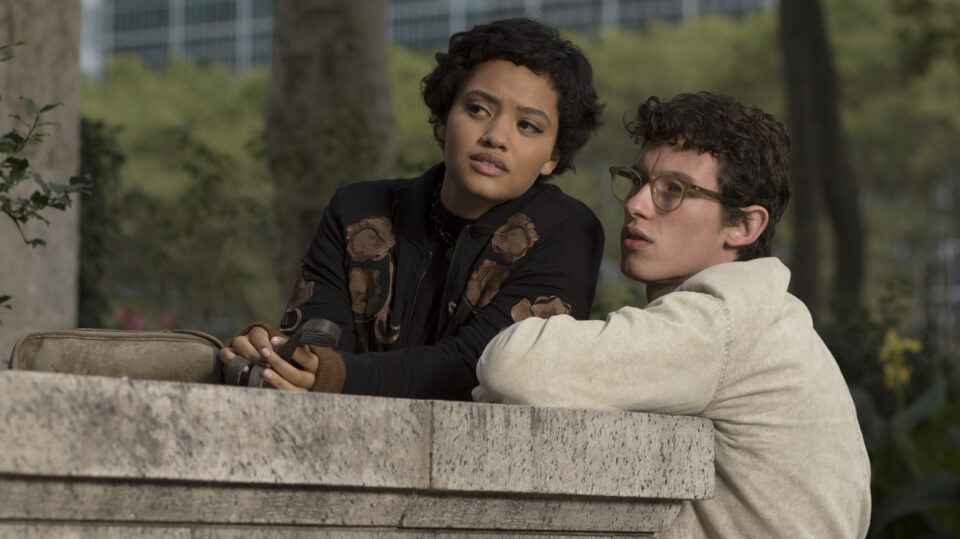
<point>894,347</point>
<point>896,376</point>
<point>896,373</point>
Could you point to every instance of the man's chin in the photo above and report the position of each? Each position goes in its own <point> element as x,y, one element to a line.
<point>631,272</point>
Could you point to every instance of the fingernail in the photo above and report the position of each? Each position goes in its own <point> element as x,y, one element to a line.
<point>275,340</point>
<point>265,352</point>
<point>268,374</point>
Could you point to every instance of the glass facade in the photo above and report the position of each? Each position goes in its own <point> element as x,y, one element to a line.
<point>236,32</point>
<point>943,296</point>
<point>239,32</point>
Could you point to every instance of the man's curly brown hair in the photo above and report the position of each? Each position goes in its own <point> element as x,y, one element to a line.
<point>751,147</point>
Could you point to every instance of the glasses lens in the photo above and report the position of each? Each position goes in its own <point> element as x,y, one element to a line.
<point>668,193</point>
<point>623,184</point>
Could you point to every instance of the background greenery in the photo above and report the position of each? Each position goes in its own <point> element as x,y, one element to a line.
<point>180,229</point>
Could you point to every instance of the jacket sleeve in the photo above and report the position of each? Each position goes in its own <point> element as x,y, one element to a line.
<point>558,274</point>
<point>667,358</point>
<point>322,290</point>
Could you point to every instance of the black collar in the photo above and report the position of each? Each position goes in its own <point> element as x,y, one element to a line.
<point>415,203</point>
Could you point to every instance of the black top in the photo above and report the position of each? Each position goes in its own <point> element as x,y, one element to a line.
<point>414,324</point>
<point>425,329</point>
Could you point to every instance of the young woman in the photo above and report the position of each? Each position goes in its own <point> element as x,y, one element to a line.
<point>419,274</point>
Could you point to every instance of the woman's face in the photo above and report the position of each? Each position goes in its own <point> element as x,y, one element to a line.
<point>499,137</point>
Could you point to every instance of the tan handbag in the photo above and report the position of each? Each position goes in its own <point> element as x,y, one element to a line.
<point>176,355</point>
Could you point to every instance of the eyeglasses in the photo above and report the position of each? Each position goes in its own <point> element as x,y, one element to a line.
<point>667,192</point>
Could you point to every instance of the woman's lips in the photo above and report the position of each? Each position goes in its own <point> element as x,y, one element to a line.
<point>488,164</point>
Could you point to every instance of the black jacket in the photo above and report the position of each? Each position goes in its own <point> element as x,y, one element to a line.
<point>535,255</point>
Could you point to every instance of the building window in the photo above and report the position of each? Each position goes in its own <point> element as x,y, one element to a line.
<point>262,9</point>
<point>210,12</point>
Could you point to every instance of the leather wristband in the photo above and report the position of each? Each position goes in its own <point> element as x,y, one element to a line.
<point>331,370</point>
<point>271,331</point>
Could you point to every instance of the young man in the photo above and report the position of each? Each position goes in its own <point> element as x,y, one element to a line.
<point>721,337</point>
<point>421,273</point>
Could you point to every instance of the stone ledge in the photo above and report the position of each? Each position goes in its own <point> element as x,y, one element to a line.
<point>103,451</point>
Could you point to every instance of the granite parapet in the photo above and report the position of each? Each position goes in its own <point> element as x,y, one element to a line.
<point>96,453</point>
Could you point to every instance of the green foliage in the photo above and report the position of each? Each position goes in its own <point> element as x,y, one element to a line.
<point>901,124</point>
<point>907,397</point>
<point>14,169</point>
<point>417,150</point>
<point>185,225</point>
<point>28,131</point>
<point>927,31</point>
<point>224,113</point>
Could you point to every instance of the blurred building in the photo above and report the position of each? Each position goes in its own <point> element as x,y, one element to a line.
<point>943,296</point>
<point>236,32</point>
<point>239,32</point>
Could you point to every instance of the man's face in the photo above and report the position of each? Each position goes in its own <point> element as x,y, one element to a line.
<point>663,249</point>
<point>499,136</point>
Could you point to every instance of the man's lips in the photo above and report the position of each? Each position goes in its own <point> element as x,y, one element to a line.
<point>634,239</point>
<point>486,163</point>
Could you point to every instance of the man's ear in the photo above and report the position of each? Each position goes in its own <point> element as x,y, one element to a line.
<point>747,229</point>
<point>548,167</point>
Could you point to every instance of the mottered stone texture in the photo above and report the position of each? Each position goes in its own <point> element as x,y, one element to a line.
<point>523,449</point>
<point>90,426</point>
<point>94,452</point>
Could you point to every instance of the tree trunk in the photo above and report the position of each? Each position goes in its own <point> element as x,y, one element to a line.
<point>330,117</point>
<point>820,166</point>
<point>42,281</point>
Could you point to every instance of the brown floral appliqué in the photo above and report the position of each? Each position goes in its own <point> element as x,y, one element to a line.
<point>370,239</point>
<point>301,293</point>
<point>364,291</point>
<point>543,307</point>
<point>514,237</point>
<point>485,283</point>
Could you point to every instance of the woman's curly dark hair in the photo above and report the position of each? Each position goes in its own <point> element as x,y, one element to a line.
<point>751,147</point>
<point>531,44</point>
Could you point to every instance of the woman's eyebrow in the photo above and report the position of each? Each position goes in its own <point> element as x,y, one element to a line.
<point>482,95</point>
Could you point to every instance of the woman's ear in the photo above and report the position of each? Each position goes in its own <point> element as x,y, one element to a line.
<point>548,167</point>
<point>748,228</point>
<point>441,131</point>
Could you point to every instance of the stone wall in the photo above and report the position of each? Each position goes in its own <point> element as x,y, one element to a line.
<point>106,457</point>
<point>42,281</point>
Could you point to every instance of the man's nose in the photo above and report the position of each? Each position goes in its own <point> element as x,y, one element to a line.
<point>641,202</point>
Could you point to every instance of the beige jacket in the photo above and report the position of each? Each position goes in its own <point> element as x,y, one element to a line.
<point>730,344</point>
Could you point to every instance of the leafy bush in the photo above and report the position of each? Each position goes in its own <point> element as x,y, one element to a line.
<point>183,232</point>
<point>15,169</point>
<point>907,402</point>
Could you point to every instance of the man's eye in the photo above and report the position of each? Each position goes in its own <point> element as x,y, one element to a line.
<point>673,187</point>
<point>474,108</point>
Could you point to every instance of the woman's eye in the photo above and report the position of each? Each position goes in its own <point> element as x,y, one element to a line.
<point>529,126</point>
<point>474,108</point>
